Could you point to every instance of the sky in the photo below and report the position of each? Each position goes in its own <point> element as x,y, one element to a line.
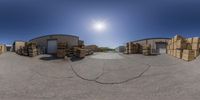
<point>126,20</point>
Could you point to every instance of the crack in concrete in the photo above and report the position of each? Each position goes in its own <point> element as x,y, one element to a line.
<point>109,83</point>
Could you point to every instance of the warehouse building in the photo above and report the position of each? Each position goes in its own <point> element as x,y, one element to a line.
<point>2,48</point>
<point>158,45</point>
<point>17,45</point>
<point>49,42</point>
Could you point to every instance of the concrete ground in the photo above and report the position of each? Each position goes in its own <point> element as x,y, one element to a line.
<point>102,76</point>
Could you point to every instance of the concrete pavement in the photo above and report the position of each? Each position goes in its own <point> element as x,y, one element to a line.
<point>134,77</point>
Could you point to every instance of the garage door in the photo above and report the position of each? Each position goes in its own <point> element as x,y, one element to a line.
<point>161,47</point>
<point>52,46</point>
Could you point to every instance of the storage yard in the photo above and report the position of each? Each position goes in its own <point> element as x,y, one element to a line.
<point>110,77</point>
<point>150,69</point>
<point>183,48</point>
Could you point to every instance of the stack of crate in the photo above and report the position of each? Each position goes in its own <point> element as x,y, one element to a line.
<point>179,45</point>
<point>188,55</point>
<point>196,46</point>
<point>61,50</point>
<point>146,50</point>
<point>32,49</point>
<point>186,49</point>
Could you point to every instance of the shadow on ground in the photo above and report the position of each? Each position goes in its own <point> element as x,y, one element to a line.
<point>73,59</point>
<point>49,58</point>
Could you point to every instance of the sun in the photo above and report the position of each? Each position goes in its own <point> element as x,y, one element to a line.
<point>99,26</point>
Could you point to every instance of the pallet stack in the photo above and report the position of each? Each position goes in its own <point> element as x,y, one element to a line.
<point>146,50</point>
<point>1,49</point>
<point>81,53</point>
<point>32,49</point>
<point>196,46</point>
<point>127,48</point>
<point>132,48</point>
<point>186,49</point>
<point>62,50</point>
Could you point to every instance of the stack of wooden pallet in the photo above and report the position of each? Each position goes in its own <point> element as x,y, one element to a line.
<point>1,49</point>
<point>61,50</point>
<point>32,49</point>
<point>146,50</point>
<point>20,51</point>
<point>81,44</point>
<point>79,52</point>
<point>132,48</point>
<point>127,48</point>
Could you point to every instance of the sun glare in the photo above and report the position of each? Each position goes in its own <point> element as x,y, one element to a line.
<point>99,26</point>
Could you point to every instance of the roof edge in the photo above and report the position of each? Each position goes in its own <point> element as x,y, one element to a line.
<point>149,39</point>
<point>54,35</point>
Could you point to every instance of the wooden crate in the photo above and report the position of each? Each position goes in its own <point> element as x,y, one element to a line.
<point>196,53</point>
<point>180,44</point>
<point>189,40</point>
<point>195,40</point>
<point>146,52</point>
<point>178,37</point>
<point>174,53</point>
<point>179,54</point>
<point>195,46</point>
<point>188,55</point>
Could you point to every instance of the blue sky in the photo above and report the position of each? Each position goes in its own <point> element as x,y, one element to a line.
<point>126,19</point>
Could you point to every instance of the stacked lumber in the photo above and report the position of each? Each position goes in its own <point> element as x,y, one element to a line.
<point>184,48</point>
<point>146,50</point>
<point>61,50</point>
